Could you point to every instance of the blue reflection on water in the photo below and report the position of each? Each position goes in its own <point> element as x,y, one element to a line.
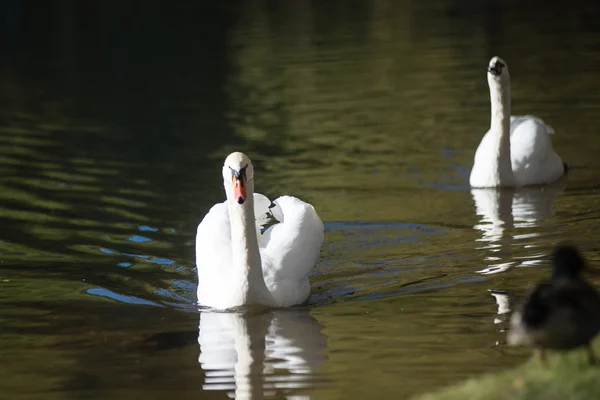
<point>146,228</point>
<point>139,239</point>
<point>121,297</point>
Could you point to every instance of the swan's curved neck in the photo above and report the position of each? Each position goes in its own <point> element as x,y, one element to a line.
<point>244,242</point>
<point>500,129</point>
<point>244,246</point>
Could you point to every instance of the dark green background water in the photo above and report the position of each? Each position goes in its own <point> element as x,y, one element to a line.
<point>115,120</point>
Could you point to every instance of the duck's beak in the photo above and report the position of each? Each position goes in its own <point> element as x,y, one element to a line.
<point>239,187</point>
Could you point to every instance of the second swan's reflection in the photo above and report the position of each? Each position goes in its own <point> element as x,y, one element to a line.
<point>253,355</point>
<point>502,211</point>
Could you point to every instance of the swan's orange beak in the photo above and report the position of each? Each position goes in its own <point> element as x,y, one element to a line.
<point>239,188</point>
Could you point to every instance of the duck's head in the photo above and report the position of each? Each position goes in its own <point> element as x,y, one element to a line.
<point>567,262</point>
<point>238,177</point>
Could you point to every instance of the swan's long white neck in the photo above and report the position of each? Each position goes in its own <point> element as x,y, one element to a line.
<point>244,246</point>
<point>500,129</point>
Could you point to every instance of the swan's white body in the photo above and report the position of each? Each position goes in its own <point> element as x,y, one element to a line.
<point>517,150</point>
<point>237,265</point>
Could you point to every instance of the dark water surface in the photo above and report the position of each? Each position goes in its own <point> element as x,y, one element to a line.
<point>115,120</point>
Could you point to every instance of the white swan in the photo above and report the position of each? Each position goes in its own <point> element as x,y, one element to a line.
<point>236,264</point>
<point>517,150</point>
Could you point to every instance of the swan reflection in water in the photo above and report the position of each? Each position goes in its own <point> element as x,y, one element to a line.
<point>253,355</point>
<point>504,210</point>
<point>503,302</point>
<point>503,213</point>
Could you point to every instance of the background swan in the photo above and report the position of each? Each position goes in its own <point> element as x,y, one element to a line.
<point>237,265</point>
<point>517,150</point>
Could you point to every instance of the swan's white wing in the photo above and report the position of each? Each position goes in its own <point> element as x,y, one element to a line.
<point>213,252</point>
<point>515,120</point>
<point>533,158</point>
<point>290,249</point>
<point>213,237</point>
<point>529,142</point>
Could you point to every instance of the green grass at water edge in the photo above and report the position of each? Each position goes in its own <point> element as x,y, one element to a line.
<point>567,376</point>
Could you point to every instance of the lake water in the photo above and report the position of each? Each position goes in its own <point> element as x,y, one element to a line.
<point>115,121</point>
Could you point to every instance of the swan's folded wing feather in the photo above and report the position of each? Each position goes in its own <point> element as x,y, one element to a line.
<point>291,248</point>
<point>517,120</point>
<point>532,155</point>
<point>213,239</point>
<point>529,142</point>
<point>262,206</point>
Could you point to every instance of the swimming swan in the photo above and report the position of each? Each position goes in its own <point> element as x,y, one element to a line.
<point>517,150</point>
<point>237,265</point>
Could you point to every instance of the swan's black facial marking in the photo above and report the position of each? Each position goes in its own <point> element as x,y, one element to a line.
<point>238,174</point>
<point>495,68</point>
